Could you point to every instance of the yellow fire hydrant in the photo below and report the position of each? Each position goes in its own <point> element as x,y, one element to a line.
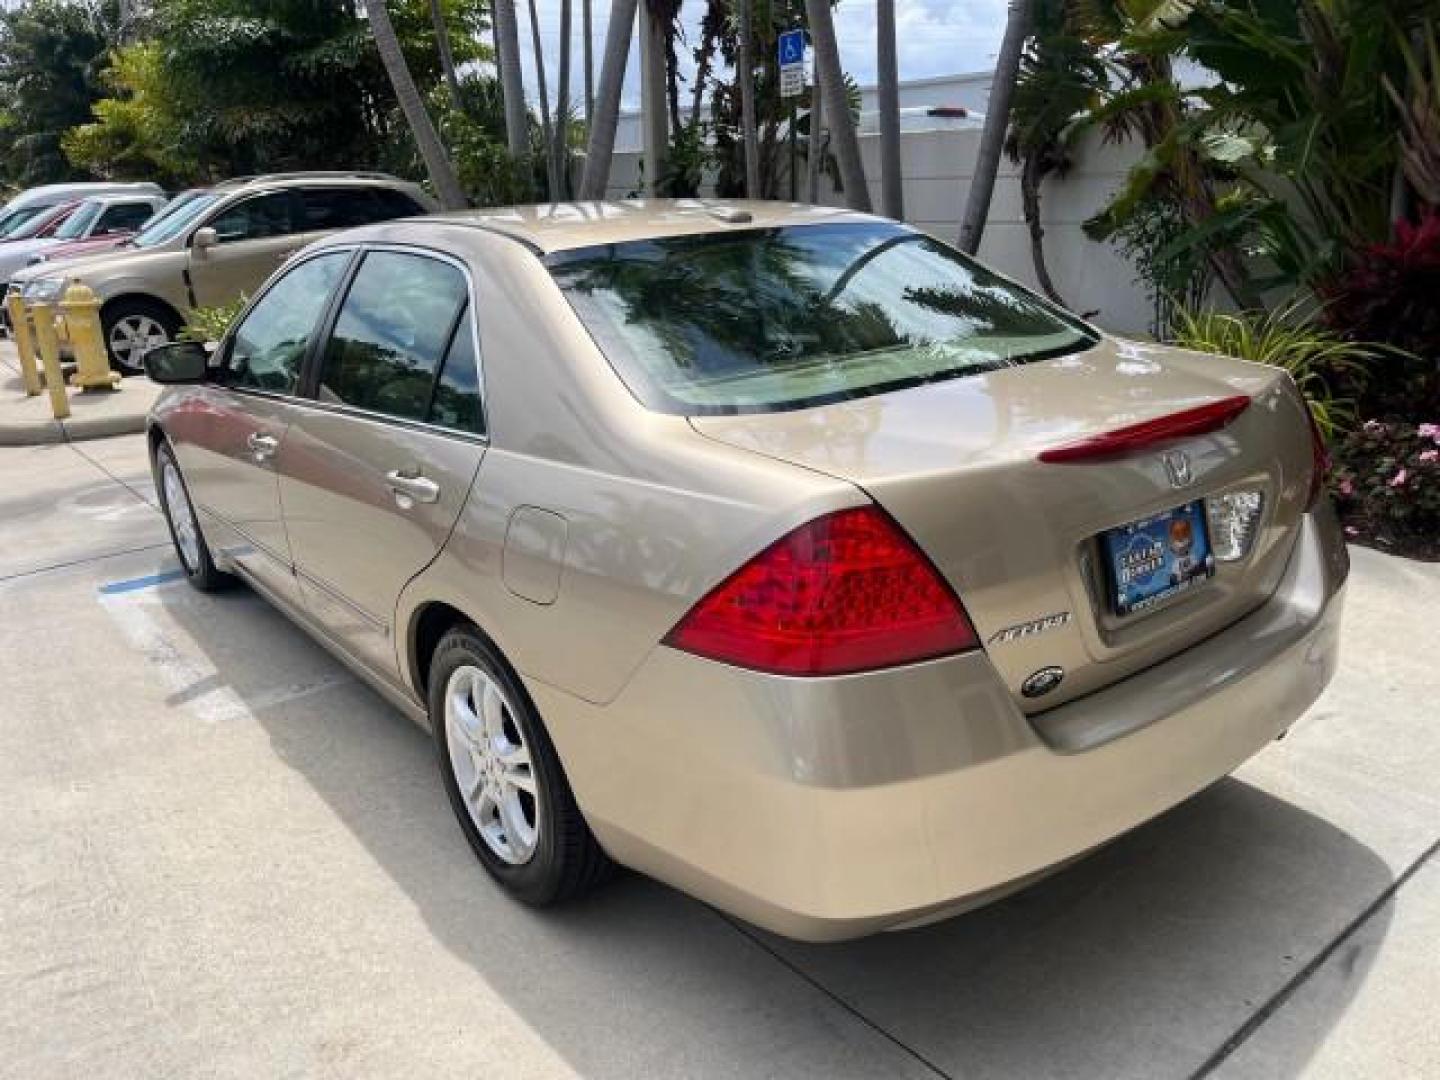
<point>44,316</point>
<point>24,343</point>
<point>81,310</point>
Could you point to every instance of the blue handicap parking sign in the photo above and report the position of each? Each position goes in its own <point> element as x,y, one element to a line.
<point>792,48</point>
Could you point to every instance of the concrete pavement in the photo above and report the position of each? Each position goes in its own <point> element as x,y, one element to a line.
<point>29,421</point>
<point>225,857</point>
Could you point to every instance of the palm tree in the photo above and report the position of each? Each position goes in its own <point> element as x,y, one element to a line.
<point>512,81</point>
<point>552,176</point>
<point>997,121</point>
<point>589,52</point>
<point>600,145</point>
<point>837,107</point>
<point>745,73</point>
<point>892,198</point>
<point>562,104</point>
<point>447,55</point>
<point>437,162</point>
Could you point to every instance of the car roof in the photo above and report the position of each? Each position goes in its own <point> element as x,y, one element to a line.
<point>306,179</point>
<point>553,227</point>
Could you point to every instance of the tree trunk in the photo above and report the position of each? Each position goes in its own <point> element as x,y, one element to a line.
<point>437,162</point>
<point>600,145</point>
<point>814,156</point>
<point>547,132</point>
<point>745,74</point>
<point>705,57</point>
<point>447,56</point>
<point>512,82</point>
<point>1030,195</point>
<point>562,106</point>
<point>589,54</point>
<point>892,198</point>
<point>997,121</point>
<point>837,107</point>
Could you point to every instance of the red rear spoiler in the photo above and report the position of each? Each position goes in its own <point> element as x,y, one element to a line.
<point>1128,440</point>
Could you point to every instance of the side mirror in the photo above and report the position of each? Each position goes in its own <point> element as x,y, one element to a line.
<point>177,363</point>
<point>204,239</point>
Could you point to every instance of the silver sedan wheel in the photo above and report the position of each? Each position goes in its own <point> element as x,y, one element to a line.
<point>492,764</point>
<point>134,335</point>
<point>182,516</point>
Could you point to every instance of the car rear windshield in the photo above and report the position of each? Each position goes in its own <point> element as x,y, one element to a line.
<point>761,320</point>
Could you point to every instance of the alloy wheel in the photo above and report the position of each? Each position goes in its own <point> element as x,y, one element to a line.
<point>492,764</point>
<point>182,515</point>
<point>132,336</point>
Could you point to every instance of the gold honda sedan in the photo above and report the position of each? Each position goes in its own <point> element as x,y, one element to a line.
<point>781,553</point>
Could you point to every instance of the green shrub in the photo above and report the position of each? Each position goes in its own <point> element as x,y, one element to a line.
<point>205,324</point>
<point>1316,357</point>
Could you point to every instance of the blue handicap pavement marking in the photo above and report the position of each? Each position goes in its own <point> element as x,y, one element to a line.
<point>792,47</point>
<point>147,582</point>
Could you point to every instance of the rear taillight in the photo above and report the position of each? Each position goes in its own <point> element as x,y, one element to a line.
<point>1319,459</point>
<point>847,592</point>
<point>1133,438</point>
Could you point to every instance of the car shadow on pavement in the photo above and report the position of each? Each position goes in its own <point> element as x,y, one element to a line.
<point>1140,960</point>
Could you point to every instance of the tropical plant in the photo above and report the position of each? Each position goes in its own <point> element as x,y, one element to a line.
<point>1289,337</point>
<point>210,324</point>
<point>51,56</point>
<point>997,119</point>
<point>887,74</point>
<point>137,132</point>
<point>512,82</point>
<point>745,77</point>
<point>422,129</point>
<point>600,146</point>
<point>837,108</point>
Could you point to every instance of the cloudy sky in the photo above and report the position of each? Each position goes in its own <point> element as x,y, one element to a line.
<point>936,37</point>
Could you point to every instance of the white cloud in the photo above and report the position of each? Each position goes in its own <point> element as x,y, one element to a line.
<point>934,37</point>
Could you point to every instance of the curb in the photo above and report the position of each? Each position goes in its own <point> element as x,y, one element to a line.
<point>75,429</point>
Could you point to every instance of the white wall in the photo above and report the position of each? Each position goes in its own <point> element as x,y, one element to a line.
<point>937,167</point>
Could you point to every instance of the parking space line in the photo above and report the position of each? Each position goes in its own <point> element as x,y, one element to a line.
<point>148,581</point>
<point>1296,981</point>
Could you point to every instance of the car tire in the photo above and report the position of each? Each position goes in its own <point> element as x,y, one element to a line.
<point>133,325</point>
<point>491,746</point>
<point>184,524</point>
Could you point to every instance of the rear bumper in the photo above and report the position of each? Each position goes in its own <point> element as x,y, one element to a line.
<point>830,808</point>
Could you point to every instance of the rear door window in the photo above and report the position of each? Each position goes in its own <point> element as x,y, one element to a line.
<point>269,345</point>
<point>391,335</point>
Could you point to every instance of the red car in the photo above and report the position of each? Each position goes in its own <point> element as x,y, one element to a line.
<point>43,224</point>
<point>90,245</point>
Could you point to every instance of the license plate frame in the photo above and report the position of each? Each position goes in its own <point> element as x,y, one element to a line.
<point>1154,559</point>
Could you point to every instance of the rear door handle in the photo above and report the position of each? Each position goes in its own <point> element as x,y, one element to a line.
<point>411,488</point>
<point>262,445</point>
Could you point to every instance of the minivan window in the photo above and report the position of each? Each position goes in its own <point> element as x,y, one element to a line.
<point>758,320</point>
<point>269,345</point>
<point>255,219</point>
<point>345,208</point>
<point>391,333</point>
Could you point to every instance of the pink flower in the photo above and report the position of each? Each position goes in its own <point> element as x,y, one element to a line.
<point>1428,431</point>
<point>1346,487</point>
<point>1398,480</point>
<point>1428,456</point>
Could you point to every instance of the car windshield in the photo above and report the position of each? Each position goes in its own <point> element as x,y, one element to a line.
<point>78,224</point>
<point>770,319</point>
<point>28,228</point>
<point>16,219</point>
<point>173,222</point>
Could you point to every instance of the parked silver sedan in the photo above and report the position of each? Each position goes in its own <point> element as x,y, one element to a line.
<point>779,552</point>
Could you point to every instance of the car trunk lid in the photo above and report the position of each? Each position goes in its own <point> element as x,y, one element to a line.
<point>958,465</point>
